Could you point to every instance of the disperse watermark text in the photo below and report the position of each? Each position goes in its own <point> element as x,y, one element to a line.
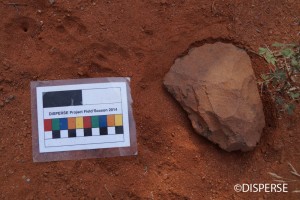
<point>261,187</point>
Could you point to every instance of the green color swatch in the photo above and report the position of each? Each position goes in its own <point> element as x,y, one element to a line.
<point>95,121</point>
<point>55,124</point>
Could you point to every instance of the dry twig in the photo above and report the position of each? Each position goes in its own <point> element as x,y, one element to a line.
<point>108,192</point>
<point>15,5</point>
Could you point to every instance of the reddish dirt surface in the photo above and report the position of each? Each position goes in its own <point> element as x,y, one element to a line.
<point>139,39</point>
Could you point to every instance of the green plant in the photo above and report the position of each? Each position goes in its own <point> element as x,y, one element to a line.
<point>283,78</point>
<point>281,179</point>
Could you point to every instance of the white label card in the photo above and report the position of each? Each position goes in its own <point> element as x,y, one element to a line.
<point>82,116</point>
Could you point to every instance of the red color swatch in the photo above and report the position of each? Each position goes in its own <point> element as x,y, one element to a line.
<point>47,124</point>
<point>87,122</point>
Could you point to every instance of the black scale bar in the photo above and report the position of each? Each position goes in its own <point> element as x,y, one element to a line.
<point>62,98</point>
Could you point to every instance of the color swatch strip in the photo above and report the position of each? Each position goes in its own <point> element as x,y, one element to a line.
<point>83,122</point>
<point>83,126</point>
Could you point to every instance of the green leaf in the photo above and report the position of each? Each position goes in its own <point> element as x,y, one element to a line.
<point>280,75</point>
<point>294,95</point>
<point>285,59</point>
<point>289,108</point>
<point>275,81</point>
<point>294,62</point>
<point>262,51</point>
<point>279,100</point>
<point>265,77</point>
<point>273,61</point>
<point>276,44</point>
<point>287,52</point>
<point>291,44</point>
<point>297,67</point>
<point>270,58</point>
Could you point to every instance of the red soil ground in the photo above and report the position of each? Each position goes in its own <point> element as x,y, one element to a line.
<point>140,39</point>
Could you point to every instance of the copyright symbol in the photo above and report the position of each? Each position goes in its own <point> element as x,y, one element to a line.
<point>237,188</point>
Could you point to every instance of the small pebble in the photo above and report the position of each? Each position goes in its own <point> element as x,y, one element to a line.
<point>9,98</point>
<point>80,73</point>
<point>8,80</point>
<point>52,2</point>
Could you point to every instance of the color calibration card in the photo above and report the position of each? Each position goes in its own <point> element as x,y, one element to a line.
<point>82,116</point>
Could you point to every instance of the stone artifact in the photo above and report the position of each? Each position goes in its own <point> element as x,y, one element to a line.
<point>216,86</point>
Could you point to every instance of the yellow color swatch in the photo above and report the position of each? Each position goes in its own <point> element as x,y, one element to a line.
<point>79,122</point>
<point>118,120</point>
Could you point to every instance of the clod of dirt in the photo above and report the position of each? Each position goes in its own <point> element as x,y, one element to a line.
<point>80,73</point>
<point>83,71</point>
<point>1,104</point>
<point>9,98</point>
<point>6,64</point>
<point>52,2</point>
<point>216,86</point>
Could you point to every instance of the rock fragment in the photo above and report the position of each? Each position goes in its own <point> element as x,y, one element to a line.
<point>216,86</point>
